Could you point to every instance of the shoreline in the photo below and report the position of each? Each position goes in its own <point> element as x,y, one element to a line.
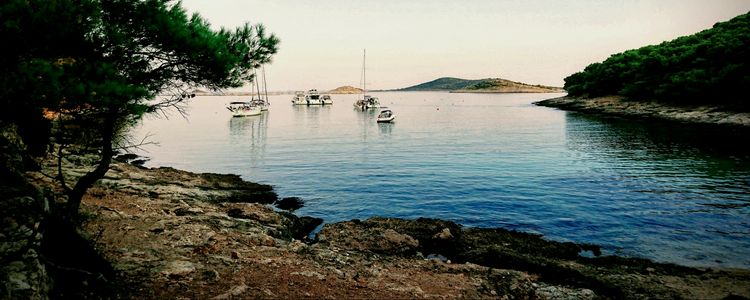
<point>173,233</point>
<point>621,107</point>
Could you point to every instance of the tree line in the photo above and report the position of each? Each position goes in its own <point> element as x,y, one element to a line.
<point>712,66</point>
<point>80,72</point>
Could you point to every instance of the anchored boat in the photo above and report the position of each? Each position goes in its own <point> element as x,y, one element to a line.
<point>367,101</point>
<point>386,115</point>
<point>243,108</point>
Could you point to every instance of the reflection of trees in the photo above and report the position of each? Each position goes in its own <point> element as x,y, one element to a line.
<point>686,161</point>
<point>653,140</point>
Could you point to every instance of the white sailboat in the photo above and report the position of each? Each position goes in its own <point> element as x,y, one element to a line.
<point>243,109</point>
<point>262,99</point>
<point>367,101</point>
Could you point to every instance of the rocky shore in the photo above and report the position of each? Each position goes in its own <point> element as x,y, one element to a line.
<point>619,106</point>
<point>168,233</point>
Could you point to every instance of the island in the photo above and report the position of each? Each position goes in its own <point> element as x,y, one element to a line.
<point>346,90</point>
<point>487,85</point>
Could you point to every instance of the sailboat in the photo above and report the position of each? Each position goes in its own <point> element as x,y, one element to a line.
<point>262,99</point>
<point>367,101</point>
<point>243,109</point>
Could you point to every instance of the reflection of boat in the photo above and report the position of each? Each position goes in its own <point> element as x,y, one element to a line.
<point>367,101</point>
<point>248,136</point>
<point>243,108</point>
<point>386,116</point>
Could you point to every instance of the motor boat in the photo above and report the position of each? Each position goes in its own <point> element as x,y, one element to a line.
<point>386,115</point>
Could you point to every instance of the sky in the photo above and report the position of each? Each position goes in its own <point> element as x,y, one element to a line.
<point>411,42</point>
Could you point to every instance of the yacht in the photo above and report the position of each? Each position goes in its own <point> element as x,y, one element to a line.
<point>299,98</point>
<point>326,99</point>
<point>313,98</point>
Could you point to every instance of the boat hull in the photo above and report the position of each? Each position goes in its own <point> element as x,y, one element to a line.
<point>243,109</point>
<point>386,120</point>
<point>247,112</point>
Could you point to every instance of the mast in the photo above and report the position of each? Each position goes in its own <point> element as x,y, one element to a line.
<point>265,86</point>
<point>364,73</point>
<point>257,84</point>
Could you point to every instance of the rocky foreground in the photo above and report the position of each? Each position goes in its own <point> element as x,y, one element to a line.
<point>620,106</point>
<point>173,234</point>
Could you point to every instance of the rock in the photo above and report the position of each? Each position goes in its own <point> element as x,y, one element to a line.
<point>210,275</point>
<point>444,234</point>
<point>296,246</point>
<point>22,208</point>
<point>363,236</point>
<point>232,293</point>
<point>290,203</point>
<point>309,274</point>
<point>178,268</point>
<point>188,211</point>
<point>559,292</point>
<point>256,212</point>
<point>125,157</point>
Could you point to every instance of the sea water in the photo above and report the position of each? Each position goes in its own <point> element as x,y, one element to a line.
<point>672,193</point>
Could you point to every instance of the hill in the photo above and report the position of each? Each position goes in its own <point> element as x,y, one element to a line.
<point>487,85</point>
<point>345,90</point>
<point>709,67</point>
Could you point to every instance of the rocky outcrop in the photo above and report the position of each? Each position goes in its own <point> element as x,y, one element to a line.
<point>558,270</point>
<point>23,274</point>
<point>168,234</point>
<point>620,106</point>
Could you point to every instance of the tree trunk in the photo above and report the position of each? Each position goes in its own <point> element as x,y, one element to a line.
<point>87,181</point>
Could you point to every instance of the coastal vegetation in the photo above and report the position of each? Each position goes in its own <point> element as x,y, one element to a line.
<point>76,75</point>
<point>487,85</point>
<point>709,67</point>
<point>96,67</point>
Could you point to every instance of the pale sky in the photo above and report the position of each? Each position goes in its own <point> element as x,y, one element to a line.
<point>410,42</point>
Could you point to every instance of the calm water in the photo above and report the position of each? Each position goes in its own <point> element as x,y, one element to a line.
<point>664,192</point>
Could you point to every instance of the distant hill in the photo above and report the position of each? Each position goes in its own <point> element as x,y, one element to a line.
<point>487,85</point>
<point>345,90</point>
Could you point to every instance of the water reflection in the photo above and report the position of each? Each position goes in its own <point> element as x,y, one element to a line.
<point>649,156</point>
<point>311,115</point>
<point>385,128</point>
<point>366,119</point>
<point>664,185</point>
<point>249,133</point>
